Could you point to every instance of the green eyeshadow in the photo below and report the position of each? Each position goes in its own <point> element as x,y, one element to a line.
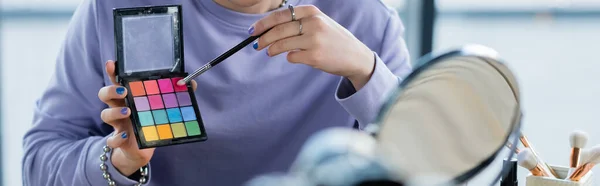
<point>192,128</point>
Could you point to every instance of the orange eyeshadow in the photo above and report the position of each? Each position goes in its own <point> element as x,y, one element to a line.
<point>164,131</point>
<point>137,88</point>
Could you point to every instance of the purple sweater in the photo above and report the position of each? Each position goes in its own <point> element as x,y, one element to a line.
<point>257,110</point>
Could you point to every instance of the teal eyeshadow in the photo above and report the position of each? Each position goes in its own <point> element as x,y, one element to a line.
<point>146,118</point>
<point>174,115</point>
<point>160,116</point>
<point>188,113</point>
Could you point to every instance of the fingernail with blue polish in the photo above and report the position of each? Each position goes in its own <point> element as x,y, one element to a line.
<point>120,90</point>
<point>251,30</point>
<point>124,111</point>
<point>124,135</point>
<point>255,45</point>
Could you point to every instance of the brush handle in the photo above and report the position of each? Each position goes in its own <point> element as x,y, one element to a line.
<point>575,154</point>
<point>539,171</point>
<point>222,57</point>
<point>581,171</point>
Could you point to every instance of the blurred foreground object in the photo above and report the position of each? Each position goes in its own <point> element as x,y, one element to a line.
<point>443,125</point>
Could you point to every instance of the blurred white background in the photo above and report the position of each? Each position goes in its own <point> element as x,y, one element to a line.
<point>553,56</point>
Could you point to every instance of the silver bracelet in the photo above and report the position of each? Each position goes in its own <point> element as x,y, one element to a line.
<point>106,175</point>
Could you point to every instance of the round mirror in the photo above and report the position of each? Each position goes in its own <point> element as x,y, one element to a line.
<point>451,119</point>
<point>448,123</point>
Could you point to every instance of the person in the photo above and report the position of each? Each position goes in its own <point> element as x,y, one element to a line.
<point>258,107</point>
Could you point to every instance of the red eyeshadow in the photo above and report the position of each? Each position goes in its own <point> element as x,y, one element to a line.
<point>177,87</point>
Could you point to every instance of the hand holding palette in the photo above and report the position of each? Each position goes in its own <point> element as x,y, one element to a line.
<point>150,62</point>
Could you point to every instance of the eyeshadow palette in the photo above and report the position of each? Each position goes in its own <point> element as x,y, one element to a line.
<point>164,111</point>
<point>150,62</point>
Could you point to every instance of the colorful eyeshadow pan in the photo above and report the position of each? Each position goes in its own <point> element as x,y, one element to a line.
<point>165,86</point>
<point>146,118</point>
<point>156,102</point>
<point>178,130</point>
<point>164,131</point>
<point>188,113</point>
<point>164,110</point>
<point>137,88</point>
<point>170,100</point>
<point>184,99</point>
<point>192,128</point>
<point>151,87</point>
<point>177,87</point>
<point>141,103</point>
<point>174,115</point>
<point>160,117</point>
<point>150,133</point>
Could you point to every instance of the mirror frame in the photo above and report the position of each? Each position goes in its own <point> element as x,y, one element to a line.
<point>486,55</point>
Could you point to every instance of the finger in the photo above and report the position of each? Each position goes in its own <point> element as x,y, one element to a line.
<point>117,140</point>
<point>113,95</point>
<point>194,85</point>
<point>110,70</point>
<point>278,32</point>
<point>289,44</point>
<point>282,16</point>
<point>114,116</point>
<point>298,56</point>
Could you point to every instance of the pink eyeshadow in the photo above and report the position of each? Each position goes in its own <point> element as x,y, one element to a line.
<point>155,102</point>
<point>165,85</point>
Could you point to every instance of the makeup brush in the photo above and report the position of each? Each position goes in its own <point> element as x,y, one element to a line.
<point>582,170</point>
<point>578,140</point>
<point>584,156</point>
<point>545,166</point>
<point>219,59</point>
<point>527,160</point>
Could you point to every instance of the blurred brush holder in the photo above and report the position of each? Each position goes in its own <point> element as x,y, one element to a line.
<point>560,181</point>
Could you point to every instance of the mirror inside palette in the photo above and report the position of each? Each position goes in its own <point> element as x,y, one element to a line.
<point>150,61</point>
<point>447,123</point>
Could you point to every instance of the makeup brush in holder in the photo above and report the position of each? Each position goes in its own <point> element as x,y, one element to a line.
<point>545,167</point>
<point>578,173</point>
<point>578,140</point>
<point>592,159</point>
<point>539,178</point>
<point>527,160</point>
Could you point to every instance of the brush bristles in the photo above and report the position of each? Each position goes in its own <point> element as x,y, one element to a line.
<point>526,159</point>
<point>586,154</point>
<point>593,155</point>
<point>578,139</point>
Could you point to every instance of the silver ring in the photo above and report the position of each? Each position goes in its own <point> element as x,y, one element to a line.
<point>291,7</point>
<point>300,29</point>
